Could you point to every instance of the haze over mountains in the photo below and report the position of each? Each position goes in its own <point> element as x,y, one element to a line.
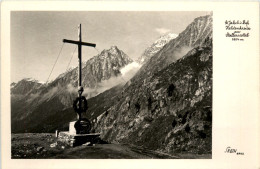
<point>163,105</point>
<point>29,96</point>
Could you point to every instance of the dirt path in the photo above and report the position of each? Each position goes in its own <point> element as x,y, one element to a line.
<point>38,146</point>
<point>102,151</point>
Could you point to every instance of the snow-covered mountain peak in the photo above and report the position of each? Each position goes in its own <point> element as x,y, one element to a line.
<point>166,37</point>
<point>156,46</point>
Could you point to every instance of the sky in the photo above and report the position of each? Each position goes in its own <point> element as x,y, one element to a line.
<point>36,36</point>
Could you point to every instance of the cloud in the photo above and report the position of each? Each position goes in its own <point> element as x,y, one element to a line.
<point>182,51</point>
<point>72,89</point>
<point>130,70</point>
<point>52,92</point>
<point>127,73</point>
<point>179,53</point>
<point>162,31</point>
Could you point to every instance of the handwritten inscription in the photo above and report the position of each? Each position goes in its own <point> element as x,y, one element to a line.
<point>233,151</point>
<point>237,30</point>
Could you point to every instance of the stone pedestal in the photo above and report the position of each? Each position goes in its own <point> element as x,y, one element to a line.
<point>72,129</point>
<point>72,139</point>
<point>82,126</point>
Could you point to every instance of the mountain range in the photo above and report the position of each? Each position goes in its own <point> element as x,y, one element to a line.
<point>166,106</point>
<point>29,97</point>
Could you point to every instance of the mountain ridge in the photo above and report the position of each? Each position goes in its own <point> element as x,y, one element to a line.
<point>194,35</point>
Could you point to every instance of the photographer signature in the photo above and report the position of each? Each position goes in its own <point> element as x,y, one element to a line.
<point>233,151</point>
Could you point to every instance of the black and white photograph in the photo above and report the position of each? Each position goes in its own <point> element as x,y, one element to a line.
<point>129,85</point>
<point>111,85</point>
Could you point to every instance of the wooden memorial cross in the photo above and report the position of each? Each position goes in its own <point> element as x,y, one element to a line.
<point>79,43</point>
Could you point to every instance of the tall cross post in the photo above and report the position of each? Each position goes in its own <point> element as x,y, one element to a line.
<point>79,43</point>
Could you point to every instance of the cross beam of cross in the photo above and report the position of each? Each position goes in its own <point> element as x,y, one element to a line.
<point>79,43</point>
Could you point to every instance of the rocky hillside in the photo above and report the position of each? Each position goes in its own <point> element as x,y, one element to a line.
<point>155,47</point>
<point>171,109</point>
